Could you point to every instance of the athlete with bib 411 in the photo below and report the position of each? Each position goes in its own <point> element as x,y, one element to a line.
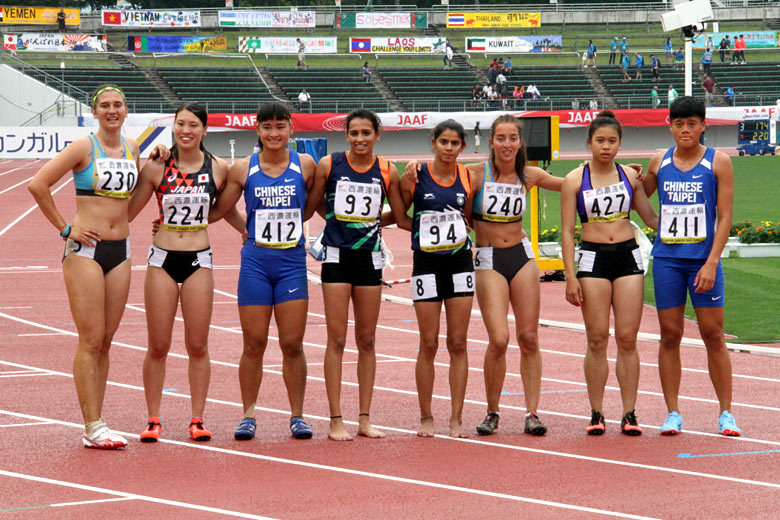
<point>696,193</point>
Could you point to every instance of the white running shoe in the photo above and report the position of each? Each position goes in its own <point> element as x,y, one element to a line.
<point>103,439</point>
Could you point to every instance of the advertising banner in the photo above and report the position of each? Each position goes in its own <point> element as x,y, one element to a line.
<point>176,43</point>
<point>285,45</point>
<point>38,16</point>
<point>398,45</point>
<point>130,18</point>
<point>754,39</point>
<point>514,44</point>
<point>487,20</point>
<point>389,20</point>
<point>272,19</point>
<point>54,42</point>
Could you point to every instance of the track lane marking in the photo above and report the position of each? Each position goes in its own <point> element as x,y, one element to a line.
<point>20,217</point>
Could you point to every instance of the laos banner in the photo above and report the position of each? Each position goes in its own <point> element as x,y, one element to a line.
<point>176,43</point>
<point>271,19</point>
<point>388,20</point>
<point>506,44</point>
<point>398,45</point>
<point>285,45</point>
<point>38,16</point>
<point>160,19</point>
<point>54,42</point>
<point>487,20</point>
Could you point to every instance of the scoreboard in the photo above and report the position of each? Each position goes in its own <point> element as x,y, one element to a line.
<point>754,131</point>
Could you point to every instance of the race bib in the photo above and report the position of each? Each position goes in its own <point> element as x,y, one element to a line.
<point>278,228</point>
<point>683,224</point>
<point>358,201</point>
<point>463,282</point>
<point>442,231</point>
<point>185,212</point>
<point>607,204</point>
<point>483,258</point>
<point>424,287</point>
<point>114,177</point>
<point>503,202</point>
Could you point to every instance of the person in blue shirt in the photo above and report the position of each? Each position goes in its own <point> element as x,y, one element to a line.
<point>730,95</point>
<point>655,67</point>
<point>669,51</point>
<point>591,55</point>
<point>508,65</point>
<point>613,45</point>
<point>679,56</point>
<point>706,62</point>
<point>624,66</point>
<point>624,46</point>
<point>640,62</point>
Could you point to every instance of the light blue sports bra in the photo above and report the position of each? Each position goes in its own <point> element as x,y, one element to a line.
<point>105,176</point>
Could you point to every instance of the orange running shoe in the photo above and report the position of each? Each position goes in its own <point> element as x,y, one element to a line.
<point>197,431</point>
<point>152,431</point>
<point>629,425</point>
<point>596,426</point>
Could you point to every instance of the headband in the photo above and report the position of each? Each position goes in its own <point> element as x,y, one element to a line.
<point>105,89</point>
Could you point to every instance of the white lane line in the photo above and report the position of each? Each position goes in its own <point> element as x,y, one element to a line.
<point>24,375</point>
<point>393,390</point>
<point>15,185</point>
<point>41,334</point>
<point>131,496</point>
<point>37,423</point>
<point>87,502</point>
<point>319,363</point>
<point>20,217</point>
<point>19,168</point>
<point>17,307</point>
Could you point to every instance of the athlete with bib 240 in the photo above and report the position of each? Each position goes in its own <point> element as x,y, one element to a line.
<point>355,184</point>
<point>696,194</point>
<point>179,262</point>
<point>443,269</point>
<point>96,263</point>
<point>272,279</point>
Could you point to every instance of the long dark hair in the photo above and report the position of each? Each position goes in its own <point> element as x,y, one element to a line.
<point>449,124</point>
<point>199,112</point>
<point>521,157</point>
<point>273,111</point>
<point>605,118</point>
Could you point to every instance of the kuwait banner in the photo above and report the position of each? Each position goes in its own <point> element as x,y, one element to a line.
<point>514,44</point>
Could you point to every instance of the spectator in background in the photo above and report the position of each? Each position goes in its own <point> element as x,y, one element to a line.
<point>708,86</point>
<point>477,137</point>
<point>517,94</point>
<point>575,104</point>
<point>724,49</point>
<point>706,62</point>
<point>624,66</point>
<point>679,56</point>
<point>448,54</point>
<point>507,65</point>
<point>594,105</point>
<point>739,50</point>
<point>671,95</point>
<point>61,20</point>
<point>640,62</point>
<point>669,51</point>
<point>591,55</point>
<point>534,92</point>
<point>301,54</point>
<point>304,101</point>
<point>710,45</point>
<point>501,84</point>
<point>492,73</point>
<point>623,46</point>
<point>613,46</point>
<point>655,66</point>
<point>729,96</point>
<point>365,71</point>
<point>476,94</point>
<point>500,64</point>
<point>654,101</point>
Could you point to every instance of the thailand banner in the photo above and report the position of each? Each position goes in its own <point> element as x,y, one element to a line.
<point>176,43</point>
<point>754,39</point>
<point>388,20</point>
<point>54,42</point>
<point>487,20</point>
<point>272,19</point>
<point>285,45</point>
<point>160,19</point>
<point>514,44</point>
<point>398,45</point>
<point>38,16</point>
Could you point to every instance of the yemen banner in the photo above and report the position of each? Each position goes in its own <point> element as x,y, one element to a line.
<point>286,45</point>
<point>272,19</point>
<point>504,44</point>
<point>388,20</point>
<point>161,19</point>
<point>37,16</point>
<point>54,42</point>
<point>176,43</point>
<point>398,45</point>
<point>487,20</point>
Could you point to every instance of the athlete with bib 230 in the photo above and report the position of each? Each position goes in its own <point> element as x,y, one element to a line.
<point>96,264</point>
<point>272,280</point>
<point>696,194</point>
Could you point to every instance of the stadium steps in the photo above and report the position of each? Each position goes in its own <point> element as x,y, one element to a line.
<point>387,92</point>
<point>273,85</point>
<point>607,101</point>
<point>162,86</point>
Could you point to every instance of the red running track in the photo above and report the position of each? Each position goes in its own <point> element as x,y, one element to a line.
<point>45,472</point>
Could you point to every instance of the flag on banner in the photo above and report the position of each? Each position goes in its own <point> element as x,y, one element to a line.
<point>227,18</point>
<point>112,18</point>
<point>9,42</point>
<point>361,44</point>
<point>456,20</point>
<point>475,44</point>
<point>1,15</point>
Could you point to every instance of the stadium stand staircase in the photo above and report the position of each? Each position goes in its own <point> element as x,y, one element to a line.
<point>603,93</point>
<point>428,89</point>
<point>386,91</point>
<point>331,89</point>
<point>162,86</point>
<point>270,82</point>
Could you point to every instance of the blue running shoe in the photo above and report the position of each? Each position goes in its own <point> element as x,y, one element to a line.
<point>672,425</point>
<point>245,430</point>
<point>727,425</point>
<point>299,428</point>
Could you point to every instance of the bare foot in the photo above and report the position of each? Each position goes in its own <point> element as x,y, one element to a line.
<point>366,430</point>
<point>426,427</point>
<point>337,431</point>
<point>456,429</point>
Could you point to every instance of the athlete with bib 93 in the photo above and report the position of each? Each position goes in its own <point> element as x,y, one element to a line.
<point>695,187</point>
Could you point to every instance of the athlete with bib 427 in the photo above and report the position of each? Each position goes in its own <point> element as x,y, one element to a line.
<point>696,193</point>
<point>96,264</point>
<point>275,183</point>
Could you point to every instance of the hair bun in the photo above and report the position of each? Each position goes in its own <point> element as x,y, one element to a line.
<point>607,113</point>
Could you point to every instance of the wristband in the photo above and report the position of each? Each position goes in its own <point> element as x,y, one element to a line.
<point>65,232</point>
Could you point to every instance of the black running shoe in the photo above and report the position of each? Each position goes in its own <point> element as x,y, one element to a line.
<point>489,425</point>
<point>533,425</point>
<point>596,426</point>
<point>629,424</point>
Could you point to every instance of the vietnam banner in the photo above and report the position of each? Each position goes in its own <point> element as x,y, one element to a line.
<point>38,16</point>
<point>488,20</point>
<point>160,19</point>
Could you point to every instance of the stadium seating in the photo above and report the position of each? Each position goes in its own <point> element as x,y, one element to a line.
<point>331,89</point>
<point>755,83</point>
<point>431,89</point>
<point>218,89</point>
<point>636,93</point>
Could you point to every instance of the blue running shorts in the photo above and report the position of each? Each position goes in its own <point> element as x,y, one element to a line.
<point>270,276</point>
<point>673,277</point>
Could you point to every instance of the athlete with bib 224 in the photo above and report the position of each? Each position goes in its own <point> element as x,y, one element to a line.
<point>696,194</point>
<point>179,262</point>
<point>610,274</point>
<point>96,264</point>
<point>443,269</point>
<point>355,184</point>
<point>272,280</point>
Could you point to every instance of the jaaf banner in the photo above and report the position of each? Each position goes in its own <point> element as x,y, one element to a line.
<point>54,42</point>
<point>270,19</point>
<point>285,45</point>
<point>158,18</point>
<point>398,45</point>
<point>488,20</point>
<point>38,16</point>
<point>381,20</point>
<point>176,43</point>
<point>513,44</point>
<point>754,39</point>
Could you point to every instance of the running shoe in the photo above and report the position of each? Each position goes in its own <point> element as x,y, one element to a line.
<point>103,439</point>
<point>727,425</point>
<point>533,425</point>
<point>629,424</point>
<point>596,426</point>
<point>489,425</point>
<point>246,429</point>
<point>197,431</point>
<point>152,431</point>
<point>672,425</point>
<point>299,428</point>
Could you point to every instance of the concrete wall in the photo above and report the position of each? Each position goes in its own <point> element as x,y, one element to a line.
<point>23,97</point>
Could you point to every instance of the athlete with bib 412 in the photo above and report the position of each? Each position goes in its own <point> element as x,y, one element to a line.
<point>696,192</point>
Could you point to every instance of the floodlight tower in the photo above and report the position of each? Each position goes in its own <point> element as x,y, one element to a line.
<point>690,17</point>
